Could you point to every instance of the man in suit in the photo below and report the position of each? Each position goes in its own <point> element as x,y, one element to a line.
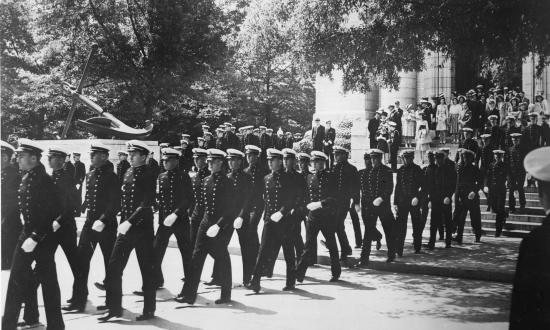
<point>330,136</point>
<point>530,306</point>
<point>318,135</point>
<point>373,125</point>
<point>122,165</point>
<point>79,176</point>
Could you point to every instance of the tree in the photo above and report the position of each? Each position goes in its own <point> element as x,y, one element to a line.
<point>370,41</point>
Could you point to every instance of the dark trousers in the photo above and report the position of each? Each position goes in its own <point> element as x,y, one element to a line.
<point>140,238</point>
<point>298,241</point>
<point>10,237</point>
<point>180,229</point>
<point>310,249</point>
<point>356,226</point>
<point>89,238</point>
<point>330,160</point>
<point>275,235</point>
<point>217,248</point>
<point>393,158</point>
<point>516,185</point>
<point>441,214</point>
<point>250,244</point>
<point>373,143</point>
<point>465,205</point>
<point>403,211</point>
<point>22,284</point>
<point>341,213</point>
<point>194,228</point>
<point>371,214</point>
<point>497,201</point>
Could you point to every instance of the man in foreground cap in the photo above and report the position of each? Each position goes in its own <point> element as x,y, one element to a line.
<point>195,211</point>
<point>468,184</point>
<point>37,204</point>
<point>214,230</point>
<point>347,192</point>
<point>136,231</point>
<point>102,201</point>
<point>517,173</point>
<point>175,194</point>
<point>376,190</point>
<point>122,166</point>
<point>11,224</point>
<point>321,203</point>
<point>278,204</point>
<point>495,188</point>
<point>530,308</point>
<point>407,200</point>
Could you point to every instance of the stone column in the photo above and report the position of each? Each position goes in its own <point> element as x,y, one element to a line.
<point>530,82</point>
<point>437,77</point>
<point>406,94</point>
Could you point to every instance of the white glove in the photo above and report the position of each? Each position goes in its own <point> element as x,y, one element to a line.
<point>28,245</point>
<point>213,231</point>
<point>358,208</point>
<point>447,201</point>
<point>516,194</point>
<point>77,186</point>
<point>314,206</point>
<point>486,190</point>
<point>238,223</point>
<point>124,227</point>
<point>98,226</point>
<point>55,226</point>
<point>414,201</point>
<point>471,195</point>
<point>276,217</point>
<point>429,205</point>
<point>170,219</point>
<point>377,201</point>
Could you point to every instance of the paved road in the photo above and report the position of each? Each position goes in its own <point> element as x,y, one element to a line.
<point>364,299</point>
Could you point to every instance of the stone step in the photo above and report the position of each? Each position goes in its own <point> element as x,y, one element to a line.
<point>534,203</point>
<point>514,217</point>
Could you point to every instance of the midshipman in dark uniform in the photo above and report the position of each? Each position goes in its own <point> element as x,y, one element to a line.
<point>196,212</point>
<point>407,200</point>
<point>135,231</point>
<point>214,230</point>
<point>495,187</point>
<point>517,173</point>
<point>321,203</point>
<point>102,202</point>
<point>11,224</point>
<point>122,166</point>
<point>37,204</point>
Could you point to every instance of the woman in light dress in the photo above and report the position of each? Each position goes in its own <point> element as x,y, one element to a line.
<point>408,122</point>
<point>423,140</point>
<point>442,116</point>
<point>454,113</point>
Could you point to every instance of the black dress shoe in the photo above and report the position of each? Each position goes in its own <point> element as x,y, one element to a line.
<point>100,286</point>
<point>138,293</point>
<point>255,286</point>
<point>212,282</point>
<point>222,301</point>
<point>269,275</point>
<point>107,316</point>
<point>378,245</point>
<point>417,251</point>
<point>390,259</point>
<point>185,300</point>
<point>362,263</point>
<point>478,239</point>
<point>289,288</point>
<point>102,308</point>
<point>73,308</point>
<point>69,301</point>
<point>300,278</point>
<point>334,279</point>
<point>145,316</point>
<point>28,323</point>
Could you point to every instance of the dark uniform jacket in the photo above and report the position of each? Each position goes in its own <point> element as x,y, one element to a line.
<point>231,140</point>
<point>289,142</point>
<point>277,193</point>
<point>69,167</point>
<point>468,179</point>
<point>440,182</point>
<point>514,161</point>
<point>279,142</point>
<point>498,137</point>
<point>318,136</point>
<point>186,159</point>
<point>175,194</point>
<point>531,136</point>
<point>210,144</point>
<point>321,187</point>
<point>241,184</point>
<point>497,172</point>
<point>10,212</point>
<point>376,182</point>
<point>79,172</point>
<point>138,196</point>
<point>121,168</point>
<point>330,136</point>
<point>196,182</point>
<point>472,145</point>
<point>545,135</point>
<point>67,196</point>
<point>216,201</point>
<point>257,174</point>
<point>408,185</point>
<point>37,203</point>
<point>154,166</point>
<point>266,141</point>
<point>102,196</point>
<point>347,182</point>
<point>507,131</point>
<point>297,191</point>
<point>251,139</point>
<point>530,304</point>
<point>486,157</point>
